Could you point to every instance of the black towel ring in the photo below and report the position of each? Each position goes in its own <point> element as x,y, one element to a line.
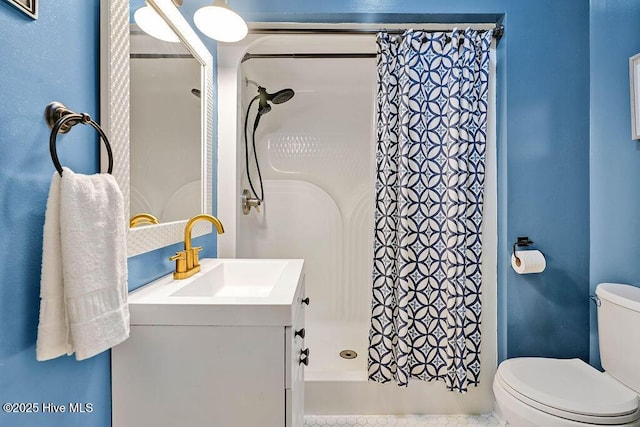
<point>60,119</point>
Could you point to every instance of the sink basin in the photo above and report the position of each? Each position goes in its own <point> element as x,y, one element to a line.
<point>239,292</point>
<point>247,278</point>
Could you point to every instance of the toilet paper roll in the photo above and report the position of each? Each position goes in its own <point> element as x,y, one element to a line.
<point>528,262</point>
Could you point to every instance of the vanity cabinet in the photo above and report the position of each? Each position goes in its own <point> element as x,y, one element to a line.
<point>231,375</point>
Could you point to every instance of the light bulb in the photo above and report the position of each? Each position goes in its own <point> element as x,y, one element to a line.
<point>152,23</point>
<point>220,23</point>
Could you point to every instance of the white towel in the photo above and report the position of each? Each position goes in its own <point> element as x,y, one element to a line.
<point>53,333</point>
<point>83,307</point>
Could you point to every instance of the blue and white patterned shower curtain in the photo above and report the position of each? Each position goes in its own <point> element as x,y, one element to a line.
<point>431,133</point>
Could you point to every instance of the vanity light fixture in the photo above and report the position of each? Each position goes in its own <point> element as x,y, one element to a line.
<point>220,23</point>
<point>217,21</point>
<point>151,23</point>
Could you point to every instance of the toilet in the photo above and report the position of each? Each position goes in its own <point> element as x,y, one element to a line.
<point>542,392</point>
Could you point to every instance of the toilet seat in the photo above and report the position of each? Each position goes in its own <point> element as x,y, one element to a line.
<point>570,389</point>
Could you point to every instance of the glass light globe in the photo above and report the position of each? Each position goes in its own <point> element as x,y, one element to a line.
<point>151,23</point>
<point>220,23</point>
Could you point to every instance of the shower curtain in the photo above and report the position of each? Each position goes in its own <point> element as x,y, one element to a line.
<point>431,133</point>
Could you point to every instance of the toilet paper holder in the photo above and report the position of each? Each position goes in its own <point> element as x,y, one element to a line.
<point>523,241</point>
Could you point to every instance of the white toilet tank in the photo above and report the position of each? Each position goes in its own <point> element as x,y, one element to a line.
<point>619,332</point>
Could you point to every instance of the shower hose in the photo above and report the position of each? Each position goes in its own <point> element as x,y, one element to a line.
<point>255,155</point>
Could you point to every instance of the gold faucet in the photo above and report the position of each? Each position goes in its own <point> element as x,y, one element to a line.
<point>187,262</point>
<point>143,219</point>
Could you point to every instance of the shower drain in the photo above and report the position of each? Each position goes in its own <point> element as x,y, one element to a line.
<point>348,354</point>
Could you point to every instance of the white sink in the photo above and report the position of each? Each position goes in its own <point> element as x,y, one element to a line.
<point>245,278</point>
<point>224,292</point>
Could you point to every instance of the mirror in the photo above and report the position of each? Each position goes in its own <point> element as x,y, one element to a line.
<point>164,172</point>
<point>165,135</point>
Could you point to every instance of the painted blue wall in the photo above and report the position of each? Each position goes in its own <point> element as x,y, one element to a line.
<point>615,157</point>
<point>543,79</point>
<point>547,179</point>
<point>54,58</point>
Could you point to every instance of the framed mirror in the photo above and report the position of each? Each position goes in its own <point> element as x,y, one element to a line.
<point>155,166</point>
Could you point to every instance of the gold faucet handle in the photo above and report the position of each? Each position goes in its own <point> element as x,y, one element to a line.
<point>181,261</point>
<point>178,256</point>
<point>194,253</point>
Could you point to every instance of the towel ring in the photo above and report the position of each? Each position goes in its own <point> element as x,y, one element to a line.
<point>60,119</point>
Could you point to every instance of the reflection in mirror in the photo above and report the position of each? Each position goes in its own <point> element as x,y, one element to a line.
<point>142,219</point>
<point>165,143</point>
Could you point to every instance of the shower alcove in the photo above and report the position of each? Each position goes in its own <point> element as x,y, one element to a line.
<point>317,158</point>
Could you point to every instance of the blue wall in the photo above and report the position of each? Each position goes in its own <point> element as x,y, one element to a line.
<point>543,154</point>
<point>615,157</point>
<point>547,179</point>
<point>54,58</point>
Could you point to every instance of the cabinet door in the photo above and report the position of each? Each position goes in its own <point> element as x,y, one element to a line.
<point>167,376</point>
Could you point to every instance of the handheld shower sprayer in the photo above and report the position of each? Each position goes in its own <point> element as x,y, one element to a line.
<point>265,99</point>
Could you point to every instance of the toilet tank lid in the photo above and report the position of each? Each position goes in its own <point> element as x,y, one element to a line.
<point>624,295</point>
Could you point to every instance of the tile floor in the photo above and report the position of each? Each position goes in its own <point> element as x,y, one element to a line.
<point>489,420</point>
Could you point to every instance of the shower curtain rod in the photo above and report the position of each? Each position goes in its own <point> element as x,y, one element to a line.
<point>247,56</point>
<point>498,32</point>
<point>160,55</point>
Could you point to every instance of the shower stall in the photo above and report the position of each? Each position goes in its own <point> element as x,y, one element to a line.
<point>316,157</point>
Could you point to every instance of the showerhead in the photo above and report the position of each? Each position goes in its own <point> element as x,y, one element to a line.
<point>282,96</point>
<point>279,97</point>
<point>196,92</point>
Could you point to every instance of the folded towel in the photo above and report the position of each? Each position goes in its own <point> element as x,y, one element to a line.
<point>84,271</point>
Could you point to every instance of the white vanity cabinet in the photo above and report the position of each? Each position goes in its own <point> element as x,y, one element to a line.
<point>227,374</point>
